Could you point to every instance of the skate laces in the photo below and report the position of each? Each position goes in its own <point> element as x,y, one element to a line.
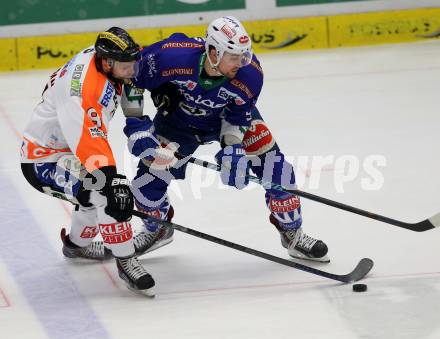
<point>305,241</point>
<point>133,268</point>
<point>144,238</point>
<point>96,248</point>
<point>300,239</point>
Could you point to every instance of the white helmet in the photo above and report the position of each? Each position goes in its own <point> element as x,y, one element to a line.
<point>227,34</point>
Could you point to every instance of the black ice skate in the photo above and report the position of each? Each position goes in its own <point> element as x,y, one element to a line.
<point>301,246</point>
<point>147,241</point>
<point>135,276</point>
<point>95,251</point>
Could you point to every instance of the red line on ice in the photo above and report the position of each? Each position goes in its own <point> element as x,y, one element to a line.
<point>12,127</point>
<point>5,298</point>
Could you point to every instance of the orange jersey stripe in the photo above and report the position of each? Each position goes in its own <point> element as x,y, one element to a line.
<point>93,149</point>
<point>34,151</point>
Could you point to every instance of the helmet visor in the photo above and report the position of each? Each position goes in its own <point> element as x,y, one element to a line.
<point>240,60</point>
<point>125,69</point>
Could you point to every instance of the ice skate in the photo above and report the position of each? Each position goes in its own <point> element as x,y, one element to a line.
<point>147,241</point>
<point>95,251</point>
<point>135,276</point>
<point>300,245</point>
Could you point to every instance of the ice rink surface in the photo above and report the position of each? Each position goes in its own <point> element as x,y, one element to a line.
<point>347,106</point>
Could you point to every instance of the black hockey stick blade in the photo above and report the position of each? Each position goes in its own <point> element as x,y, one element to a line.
<point>360,271</point>
<point>427,224</point>
<point>421,226</point>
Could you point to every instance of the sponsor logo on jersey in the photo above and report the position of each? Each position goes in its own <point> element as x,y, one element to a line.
<point>249,115</point>
<point>40,152</point>
<point>75,83</point>
<point>226,95</point>
<point>239,101</point>
<point>188,84</point>
<point>257,66</point>
<point>177,71</point>
<point>58,178</point>
<point>107,94</point>
<point>32,151</point>
<point>200,101</point>
<point>151,62</point>
<point>243,87</point>
<point>182,45</point>
<point>63,72</point>
<point>66,66</point>
<point>228,31</point>
<point>284,205</point>
<point>134,94</point>
<point>116,233</point>
<point>258,139</point>
<point>191,110</point>
<point>96,132</point>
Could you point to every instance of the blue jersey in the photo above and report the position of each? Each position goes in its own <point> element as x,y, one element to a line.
<point>204,102</point>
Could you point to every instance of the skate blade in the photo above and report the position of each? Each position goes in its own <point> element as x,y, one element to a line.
<point>298,255</point>
<point>82,261</point>
<point>157,246</point>
<point>149,292</point>
<point>70,257</point>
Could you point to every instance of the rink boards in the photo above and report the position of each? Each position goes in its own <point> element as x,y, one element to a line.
<point>319,32</point>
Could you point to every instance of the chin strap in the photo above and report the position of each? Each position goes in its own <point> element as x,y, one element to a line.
<point>214,66</point>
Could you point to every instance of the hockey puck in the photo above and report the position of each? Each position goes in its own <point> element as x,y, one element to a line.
<point>359,288</point>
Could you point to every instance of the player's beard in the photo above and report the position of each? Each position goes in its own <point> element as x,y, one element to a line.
<point>231,74</point>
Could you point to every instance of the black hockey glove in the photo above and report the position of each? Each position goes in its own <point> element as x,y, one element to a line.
<point>120,201</point>
<point>166,98</point>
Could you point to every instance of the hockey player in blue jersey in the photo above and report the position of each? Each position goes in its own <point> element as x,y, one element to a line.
<point>205,90</point>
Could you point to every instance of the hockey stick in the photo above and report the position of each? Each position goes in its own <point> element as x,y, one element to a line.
<point>360,271</point>
<point>421,226</point>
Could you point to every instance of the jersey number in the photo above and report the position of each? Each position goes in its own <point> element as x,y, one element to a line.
<point>94,116</point>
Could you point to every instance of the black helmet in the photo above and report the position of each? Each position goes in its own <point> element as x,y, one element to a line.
<point>117,44</point>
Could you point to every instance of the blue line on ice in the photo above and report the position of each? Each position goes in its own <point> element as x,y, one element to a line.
<point>40,274</point>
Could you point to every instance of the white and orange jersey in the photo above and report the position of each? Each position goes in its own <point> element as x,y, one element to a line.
<point>73,116</point>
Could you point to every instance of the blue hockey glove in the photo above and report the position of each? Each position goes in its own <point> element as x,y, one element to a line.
<point>234,166</point>
<point>142,140</point>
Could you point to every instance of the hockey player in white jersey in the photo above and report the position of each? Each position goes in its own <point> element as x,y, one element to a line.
<point>65,153</point>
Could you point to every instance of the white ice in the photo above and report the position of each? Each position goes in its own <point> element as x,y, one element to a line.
<point>343,104</point>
